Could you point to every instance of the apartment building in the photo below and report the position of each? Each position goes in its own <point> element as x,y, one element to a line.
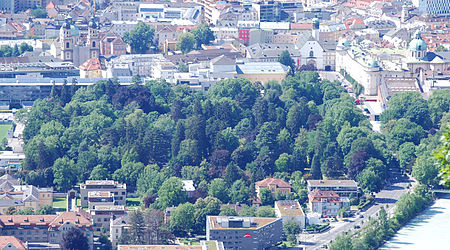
<point>274,185</point>
<point>103,215</point>
<point>289,210</point>
<point>343,188</point>
<point>44,228</point>
<point>244,232</point>
<point>118,191</point>
<point>326,203</point>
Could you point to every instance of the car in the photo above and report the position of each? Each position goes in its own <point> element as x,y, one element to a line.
<point>361,216</point>
<point>356,227</point>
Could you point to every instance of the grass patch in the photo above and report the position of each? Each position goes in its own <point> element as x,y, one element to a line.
<point>78,202</point>
<point>133,202</point>
<point>60,203</point>
<point>211,245</point>
<point>4,128</point>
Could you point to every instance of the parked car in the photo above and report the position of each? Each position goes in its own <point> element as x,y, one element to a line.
<point>356,227</point>
<point>361,216</point>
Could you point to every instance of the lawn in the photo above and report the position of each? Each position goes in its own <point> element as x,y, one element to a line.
<point>60,203</point>
<point>211,245</point>
<point>4,131</point>
<point>133,202</point>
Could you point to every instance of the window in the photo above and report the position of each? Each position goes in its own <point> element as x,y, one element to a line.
<point>93,44</point>
<point>311,54</point>
<point>67,45</point>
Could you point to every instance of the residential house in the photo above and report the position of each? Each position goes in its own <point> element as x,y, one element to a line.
<point>21,196</point>
<point>11,243</point>
<point>117,190</point>
<point>117,226</point>
<point>188,188</point>
<point>290,210</point>
<point>112,45</point>
<point>274,185</point>
<point>326,203</point>
<point>244,232</point>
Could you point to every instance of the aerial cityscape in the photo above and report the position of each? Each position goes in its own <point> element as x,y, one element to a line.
<point>229,124</point>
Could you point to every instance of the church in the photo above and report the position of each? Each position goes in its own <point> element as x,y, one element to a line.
<point>72,46</point>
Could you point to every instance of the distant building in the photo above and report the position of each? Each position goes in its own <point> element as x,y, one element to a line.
<point>268,11</point>
<point>274,185</point>
<point>20,196</point>
<point>343,188</point>
<point>244,232</point>
<point>112,45</point>
<point>117,191</point>
<point>262,71</point>
<point>11,161</point>
<point>103,215</point>
<point>433,7</point>
<point>290,211</point>
<point>188,187</point>
<point>117,226</point>
<point>327,203</point>
<point>92,68</point>
<point>45,228</point>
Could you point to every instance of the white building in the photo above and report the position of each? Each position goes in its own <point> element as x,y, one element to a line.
<point>290,211</point>
<point>327,203</point>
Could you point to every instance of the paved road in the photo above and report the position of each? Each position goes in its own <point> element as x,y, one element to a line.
<point>387,197</point>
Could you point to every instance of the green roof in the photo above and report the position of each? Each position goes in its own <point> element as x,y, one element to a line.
<point>417,44</point>
<point>74,31</point>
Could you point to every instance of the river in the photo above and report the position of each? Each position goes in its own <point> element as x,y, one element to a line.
<point>429,230</point>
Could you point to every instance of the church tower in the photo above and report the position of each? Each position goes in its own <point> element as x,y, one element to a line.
<point>66,41</point>
<point>417,48</point>
<point>316,28</point>
<point>93,40</point>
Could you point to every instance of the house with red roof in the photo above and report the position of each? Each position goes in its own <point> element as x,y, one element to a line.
<point>45,228</point>
<point>11,242</point>
<point>326,202</point>
<point>274,185</point>
<point>92,68</point>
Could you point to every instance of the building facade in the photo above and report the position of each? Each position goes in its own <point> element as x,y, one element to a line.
<point>116,190</point>
<point>244,232</point>
<point>343,188</point>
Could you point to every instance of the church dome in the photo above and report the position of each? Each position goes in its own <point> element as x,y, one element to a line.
<point>344,42</point>
<point>74,31</point>
<point>374,64</point>
<point>417,44</point>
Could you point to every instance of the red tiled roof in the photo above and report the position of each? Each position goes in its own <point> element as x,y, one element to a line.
<point>50,5</point>
<point>51,220</point>
<point>317,195</point>
<point>273,181</point>
<point>301,26</point>
<point>353,21</point>
<point>91,64</point>
<point>5,240</point>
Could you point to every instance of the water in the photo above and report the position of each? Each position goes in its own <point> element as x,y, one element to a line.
<point>428,230</point>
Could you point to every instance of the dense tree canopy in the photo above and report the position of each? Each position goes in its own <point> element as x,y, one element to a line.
<point>140,38</point>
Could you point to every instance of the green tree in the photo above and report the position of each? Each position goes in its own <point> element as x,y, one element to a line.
<point>441,49</point>
<point>265,211</point>
<point>426,171</point>
<point>65,173</point>
<point>342,242</point>
<point>226,210</point>
<point>218,189</point>
<point>151,179</point>
<point>203,35</point>
<point>247,211</point>
<point>105,243</point>
<point>24,47</point>
<point>171,193</point>
<point>291,228</point>
<point>139,38</point>
<point>74,239</point>
<point>409,105</point>
<point>286,59</point>
<point>136,230</point>
<point>39,12</point>
<point>239,192</point>
<point>283,163</point>
<point>185,42</point>
<point>182,219</point>
<point>266,196</point>
<point>406,155</point>
<point>204,207</point>
<point>46,209</point>
<point>316,168</point>
<point>369,181</point>
<point>442,155</point>
<point>439,104</point>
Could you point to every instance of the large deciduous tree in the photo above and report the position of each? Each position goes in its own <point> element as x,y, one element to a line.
<point>139,38</point>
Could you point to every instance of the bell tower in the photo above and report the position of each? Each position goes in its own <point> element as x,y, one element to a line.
<point>93,40</point>
<point>66,40</point>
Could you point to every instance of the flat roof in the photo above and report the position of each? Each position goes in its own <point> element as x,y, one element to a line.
<point>336,183</point>
<point>109,208</point>
<point>100,182</point>
<point>289,208</point>
<point>256,222</point>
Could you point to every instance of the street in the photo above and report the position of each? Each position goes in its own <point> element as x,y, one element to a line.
<point>386,197</point>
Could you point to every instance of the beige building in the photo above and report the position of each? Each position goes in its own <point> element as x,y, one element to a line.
<point>274,185</point>
<point>103,215</point>
<point>21,196</point>
<point>44,228</point>
<point>118,191</point>
<point>290,211</point>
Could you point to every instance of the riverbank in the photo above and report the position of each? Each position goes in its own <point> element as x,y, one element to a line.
<point>428,230</point>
